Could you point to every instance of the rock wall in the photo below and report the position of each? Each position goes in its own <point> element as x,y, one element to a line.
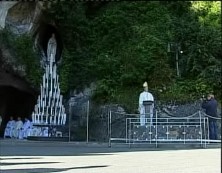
<point>20,17</point>
<point>4,7</point>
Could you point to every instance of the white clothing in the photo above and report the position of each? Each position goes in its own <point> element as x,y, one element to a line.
<point>17,129</point>
<point>145,96</point>
<point>51,49</point>
<point>9,128</point>
<point>26,130</point>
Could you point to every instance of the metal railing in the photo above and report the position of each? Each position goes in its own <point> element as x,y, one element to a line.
<point>193,129</point>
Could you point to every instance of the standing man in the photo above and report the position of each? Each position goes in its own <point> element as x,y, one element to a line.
<point>210,105</point>
<point>144,108</point>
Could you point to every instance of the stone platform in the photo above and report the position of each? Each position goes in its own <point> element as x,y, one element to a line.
<point>79,157</point>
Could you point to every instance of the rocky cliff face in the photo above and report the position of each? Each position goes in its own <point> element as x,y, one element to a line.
<point>25,18</point>
<point>28,17</point>
<point>17,97</point>
<point>20,17</point>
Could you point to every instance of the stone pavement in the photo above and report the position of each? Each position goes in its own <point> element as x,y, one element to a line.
<point>37,157</point>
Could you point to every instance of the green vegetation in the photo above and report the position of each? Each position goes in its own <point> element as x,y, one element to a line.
<point>121,45</point>
<point>21,47</point>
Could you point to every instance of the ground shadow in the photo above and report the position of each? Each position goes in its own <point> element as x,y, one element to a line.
<point>12,148</point>
<point>39,170</point>
<point>26,163</point>
<point>20,158</point>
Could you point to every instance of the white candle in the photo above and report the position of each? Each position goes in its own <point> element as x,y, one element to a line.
<point>49,102</point>
<point>44,80</point>
<point>46,119</point>
<point>42,121</point>
<point>47,71</point>
<point>51,111</point>
<point>36,108</point>
<point>50,121</point>
<point>43,92</point>
<point>54,94</point>
<point>54,72</point>
<point>55,117</point>
<point>51,83</point>
<point>64,119</point>
<point>50,68</point>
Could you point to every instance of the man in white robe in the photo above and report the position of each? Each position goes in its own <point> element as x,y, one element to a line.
<point>18,127</point>
<point>26,129</point>
<point>9,128</point>
<point>145,96</point>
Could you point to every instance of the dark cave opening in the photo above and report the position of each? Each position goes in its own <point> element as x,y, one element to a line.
<point>45,32</point>
<point>14,102</point>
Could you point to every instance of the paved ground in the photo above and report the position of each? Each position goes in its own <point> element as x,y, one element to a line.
<point>37,157</point>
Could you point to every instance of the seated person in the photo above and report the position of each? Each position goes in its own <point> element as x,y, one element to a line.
<point>9,128</point>
<point>26,129</point>
<point>18,127</point>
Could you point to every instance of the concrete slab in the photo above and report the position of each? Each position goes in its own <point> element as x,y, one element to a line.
<point>36,157</point>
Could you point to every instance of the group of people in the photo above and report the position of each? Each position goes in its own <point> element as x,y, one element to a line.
<point>146,108</point>
<point>18,129</point>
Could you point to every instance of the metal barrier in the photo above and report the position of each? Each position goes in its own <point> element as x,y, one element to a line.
<point>192,129</point>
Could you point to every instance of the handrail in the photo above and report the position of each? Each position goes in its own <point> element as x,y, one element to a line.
<point>168,115</point>
<point>148,114</point>
<point>218,118</point>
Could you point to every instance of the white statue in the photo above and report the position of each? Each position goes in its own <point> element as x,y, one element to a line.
<point>49,105</point>
<point>145,96</point>
<point>51,48</point>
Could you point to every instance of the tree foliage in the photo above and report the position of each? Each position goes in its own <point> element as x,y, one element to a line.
<point>124,44</point>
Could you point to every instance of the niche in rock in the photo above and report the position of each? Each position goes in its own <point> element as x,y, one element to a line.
<point>44,33</point>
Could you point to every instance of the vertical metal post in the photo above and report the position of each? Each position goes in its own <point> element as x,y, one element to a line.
<point>70,121</point>
<point>177,59</point>
<point>205,143</point>
<point>208,130</point>
<point>87,125</point>
<point>110,120</point>
<point>167,133</point>
<point>184,133</point>
<point>126,128</point>
<point>156,129</point>
<point>108,125</point>
<point>200,129</point>
<point>130,132</point>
